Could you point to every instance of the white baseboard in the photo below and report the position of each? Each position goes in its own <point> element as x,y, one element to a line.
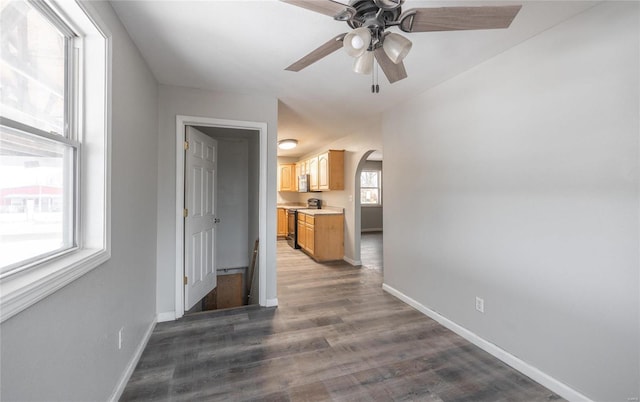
<point>525,368</point>
<point>352,261</point>
<point>126,375</point>
<point>166,316</point>
<point>272,302</point>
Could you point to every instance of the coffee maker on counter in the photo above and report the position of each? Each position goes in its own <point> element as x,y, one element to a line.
<point>314,203</point>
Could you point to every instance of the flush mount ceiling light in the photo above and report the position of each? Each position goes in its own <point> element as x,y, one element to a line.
<point>287,144</point>
<point>369,38</point>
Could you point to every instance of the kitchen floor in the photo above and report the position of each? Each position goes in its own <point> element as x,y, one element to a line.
<point>336,335</point>
<point>371,250</point>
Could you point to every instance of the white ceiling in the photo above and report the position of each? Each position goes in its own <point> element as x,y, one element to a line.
<point>243,46</point>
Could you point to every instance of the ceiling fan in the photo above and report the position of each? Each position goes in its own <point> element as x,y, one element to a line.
<point>369,39</point>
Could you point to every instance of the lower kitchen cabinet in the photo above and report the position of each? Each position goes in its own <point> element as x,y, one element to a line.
<point>321,236</point>
<point>302,232</point>
<point>282,223</point>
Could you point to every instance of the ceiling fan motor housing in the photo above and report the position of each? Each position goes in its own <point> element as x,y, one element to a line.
<point>369,14</point>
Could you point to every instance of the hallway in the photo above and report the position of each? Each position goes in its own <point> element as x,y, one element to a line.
<point>336,335</point>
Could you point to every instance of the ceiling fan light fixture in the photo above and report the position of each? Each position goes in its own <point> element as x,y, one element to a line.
<point>396,46</point>
<point>357,42</point>
<point>287,144</point>
<point>364,63</point>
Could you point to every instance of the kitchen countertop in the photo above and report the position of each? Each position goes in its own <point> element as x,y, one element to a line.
<point>327,211</point>
<point>289,206</point>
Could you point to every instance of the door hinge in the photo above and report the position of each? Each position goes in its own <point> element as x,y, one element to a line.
<point>185,280</point>
<point>185,212</point>
<point>186,145</point>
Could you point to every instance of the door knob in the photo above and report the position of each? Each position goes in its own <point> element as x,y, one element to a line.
<point>216,220</point>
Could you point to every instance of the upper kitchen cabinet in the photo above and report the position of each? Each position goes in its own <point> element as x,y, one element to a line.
<point>330,171</point>
<point>313,173</point>
<point>287,177</point>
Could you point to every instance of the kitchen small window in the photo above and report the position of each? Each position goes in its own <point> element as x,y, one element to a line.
<point>371,187</point>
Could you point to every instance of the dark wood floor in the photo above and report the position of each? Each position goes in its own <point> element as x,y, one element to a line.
<point>335,336</point>
<point>371,250</point>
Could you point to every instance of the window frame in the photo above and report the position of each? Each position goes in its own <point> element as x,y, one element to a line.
<point>90,130</point>
<point>38,259</point>
<point>379,188</point>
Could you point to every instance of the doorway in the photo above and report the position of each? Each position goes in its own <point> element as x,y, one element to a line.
<point>369,195</point>
<point>233,186</point>
<point>240,207</point>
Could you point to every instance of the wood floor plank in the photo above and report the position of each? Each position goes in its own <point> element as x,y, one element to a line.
<point>336,335</point>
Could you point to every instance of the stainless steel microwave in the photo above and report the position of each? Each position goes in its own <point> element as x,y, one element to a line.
<point>303,183</point>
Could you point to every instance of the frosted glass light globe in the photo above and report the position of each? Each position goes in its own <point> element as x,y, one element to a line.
<point>357,42</point>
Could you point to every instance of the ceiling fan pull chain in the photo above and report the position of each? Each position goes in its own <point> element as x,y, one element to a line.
<point>373,80</point>
<point>376,74</point>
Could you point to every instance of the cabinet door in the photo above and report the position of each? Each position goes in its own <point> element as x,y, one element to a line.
<point>300,170</point>
<point>313,173</point>
<point>310,237</point>
<point>323,171</point>
<point>286,172</point>
<point>302,232</point>
<point>282,222</point>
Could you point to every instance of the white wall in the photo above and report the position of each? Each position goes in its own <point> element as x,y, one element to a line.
<point>193,102</point>
<point>520,185</point>
<point>65,346</point>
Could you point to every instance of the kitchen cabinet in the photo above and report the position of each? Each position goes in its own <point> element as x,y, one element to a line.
<point>282,223</point>
<point>309,236</point>
<point>322,235</point>
<point>330,171</point>
<point>313,173</point>
<point>286,177</point>
<point>302,232</point>
<point>300,170</point>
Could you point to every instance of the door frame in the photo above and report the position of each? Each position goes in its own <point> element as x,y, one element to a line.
<point>357,210</point>
<point>182,122</point>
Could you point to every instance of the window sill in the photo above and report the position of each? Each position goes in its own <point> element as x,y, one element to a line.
<point>24,289</point>
<point>371,205</point>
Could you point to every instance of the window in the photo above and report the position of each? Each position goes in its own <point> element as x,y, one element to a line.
<point>38,152</point>
<point>54,147</point>
<point>370,187</point>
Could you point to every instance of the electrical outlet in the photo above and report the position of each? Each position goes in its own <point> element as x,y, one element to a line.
<point>479,304</point>
<point>120,338</point>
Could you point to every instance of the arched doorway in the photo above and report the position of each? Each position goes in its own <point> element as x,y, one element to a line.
<point>368,210</point>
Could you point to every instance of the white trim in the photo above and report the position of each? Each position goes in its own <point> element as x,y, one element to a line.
<point>371,230</point>
<point>271,302</point>
<point>525,368</point>
<point>181,122</point>
<point>355,263</point>
<point>24,289</point>
<point>126,375</point>
<point>166,316</point>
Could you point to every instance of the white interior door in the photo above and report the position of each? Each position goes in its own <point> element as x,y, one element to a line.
<point>200,222</point>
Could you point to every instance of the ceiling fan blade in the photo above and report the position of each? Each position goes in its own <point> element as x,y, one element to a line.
<point>339,11</point>
<point>457,18</point>
<point>326,49</point>
<point>394,72</point>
